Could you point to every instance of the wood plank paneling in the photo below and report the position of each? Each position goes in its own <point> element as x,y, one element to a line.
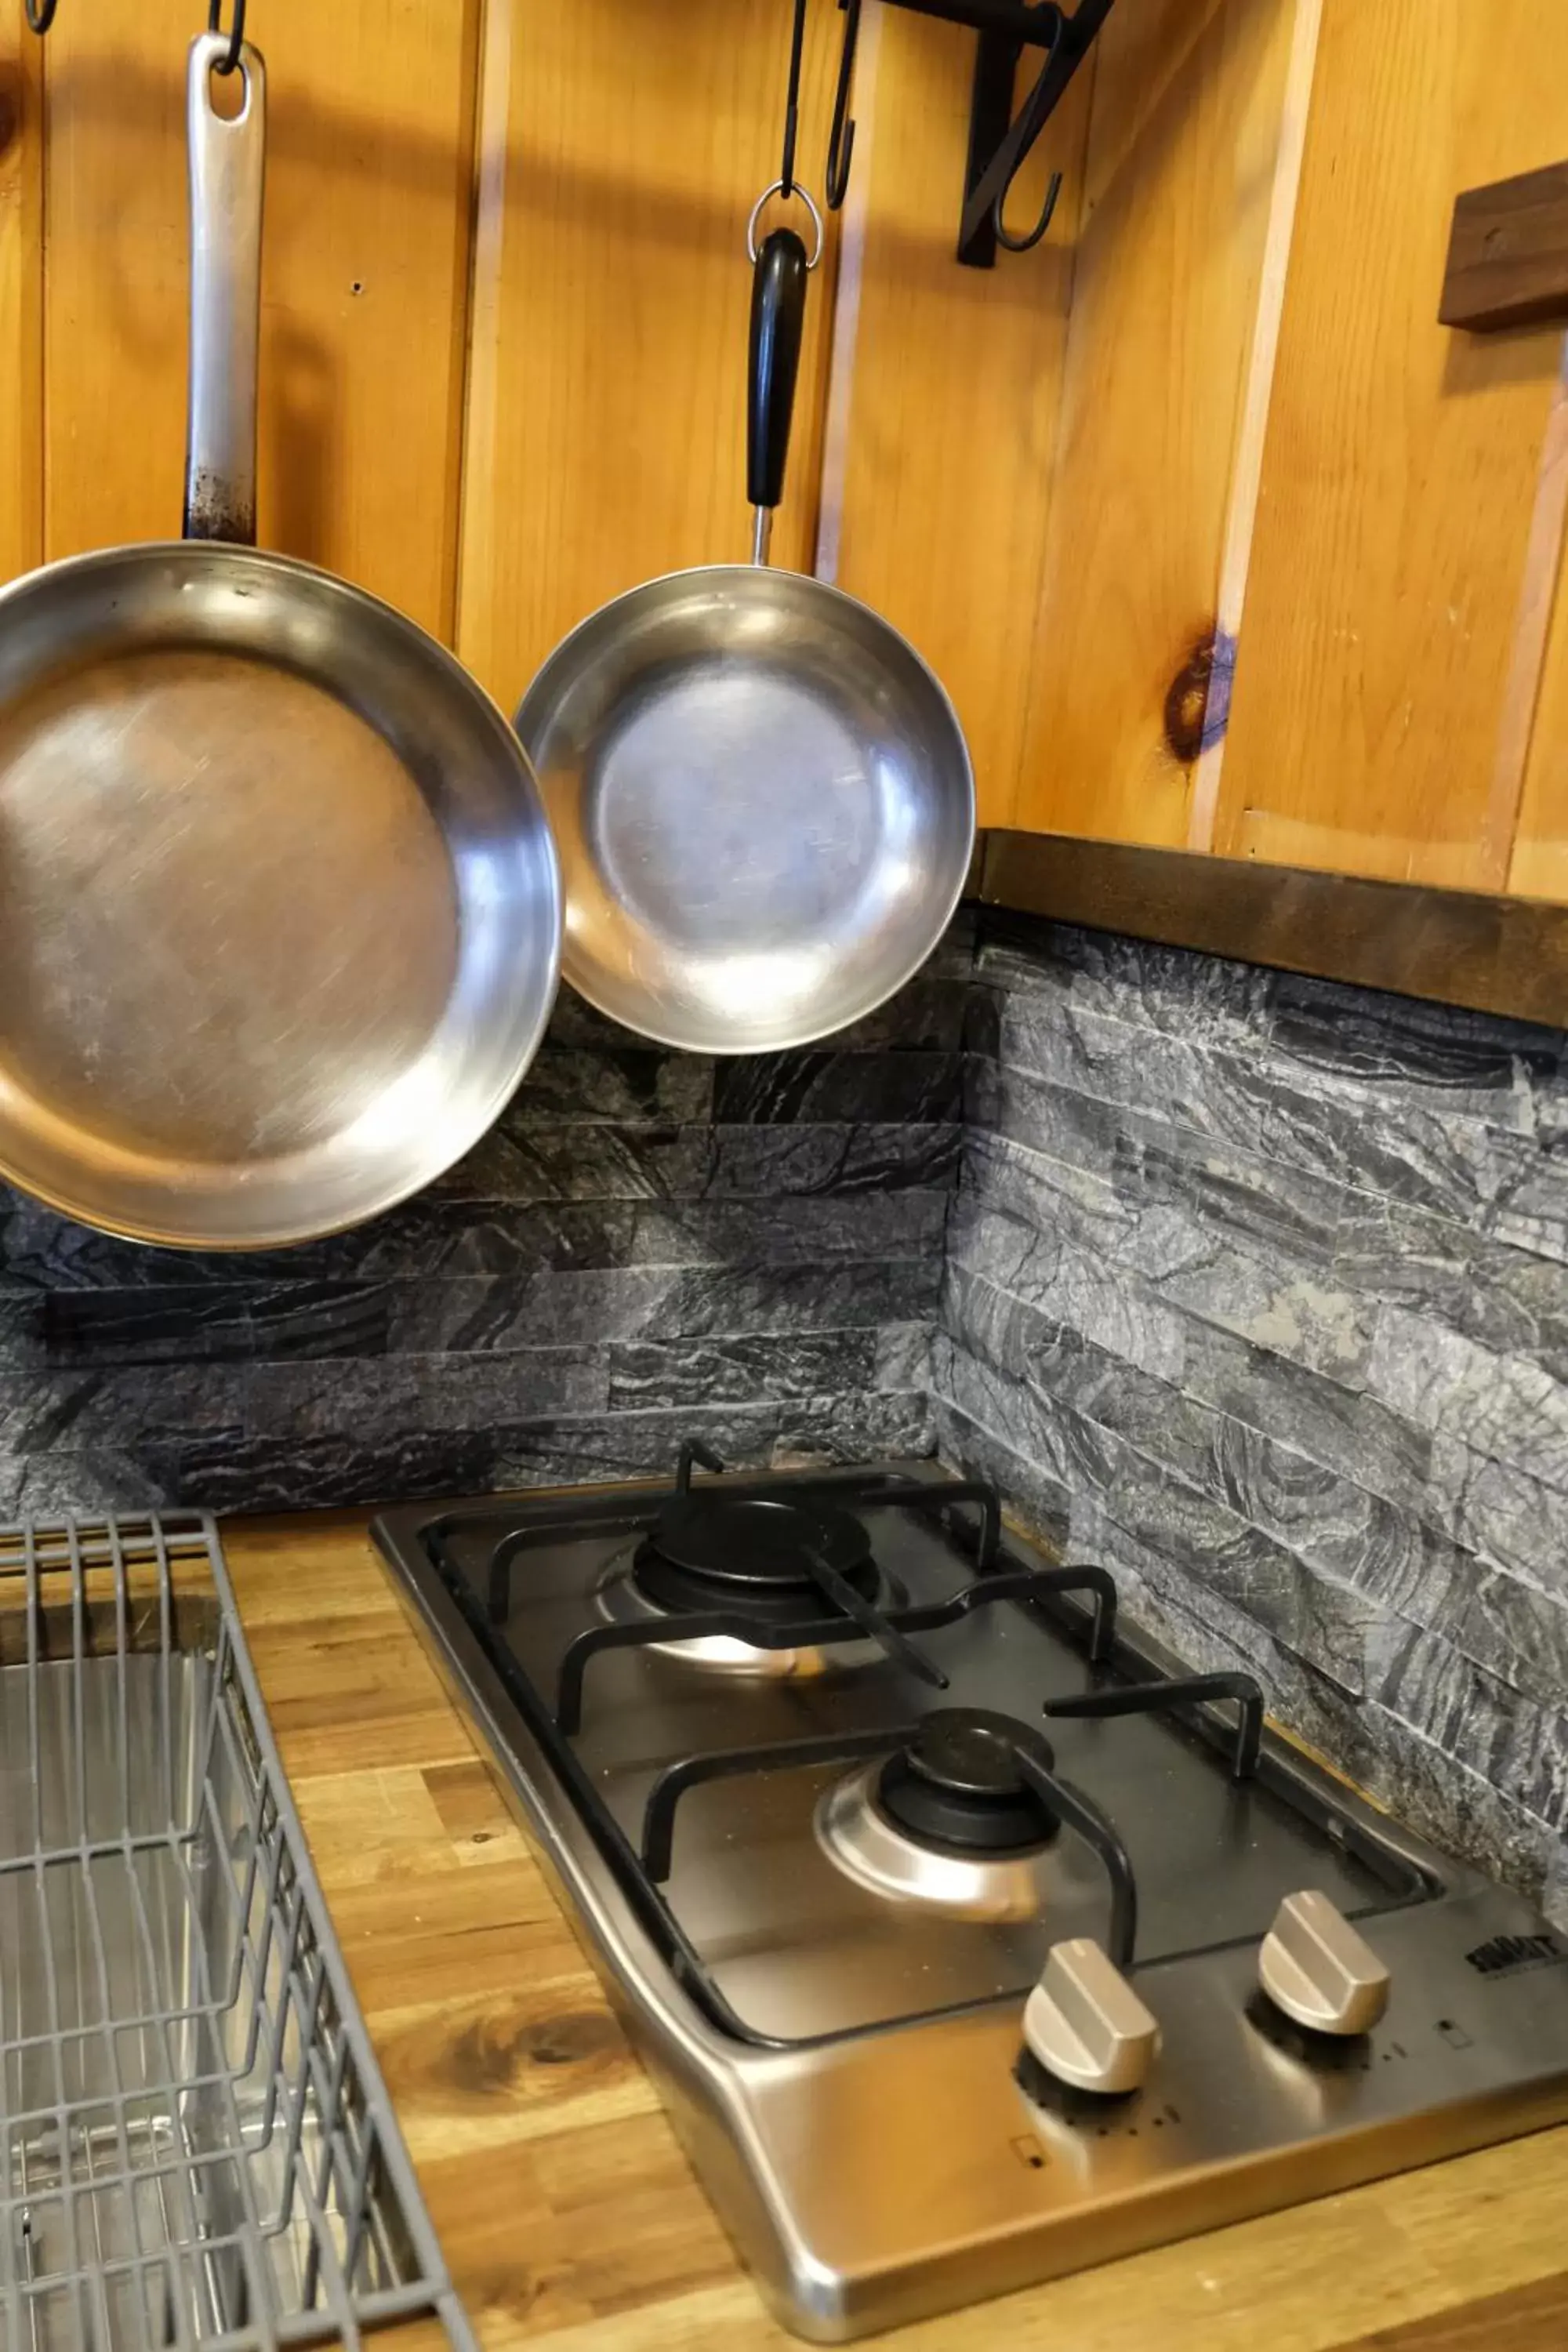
<point>21,294</point>
<point>1400,471</point>
<point>622,147</point>
<point>1189,102</point>
<point>952,400</point>
<point>363,288</point>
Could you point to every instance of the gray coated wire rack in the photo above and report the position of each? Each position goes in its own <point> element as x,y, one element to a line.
<point>196,2146</point>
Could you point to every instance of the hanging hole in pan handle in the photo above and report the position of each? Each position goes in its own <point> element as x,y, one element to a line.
<point>41,14</point>
<point>227,64</point>
<point>777,188</point>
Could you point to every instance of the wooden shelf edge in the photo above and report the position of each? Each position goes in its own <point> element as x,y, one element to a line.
<point>1454,947</point>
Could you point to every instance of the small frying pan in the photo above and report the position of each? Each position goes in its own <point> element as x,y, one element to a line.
<point>760,794</point>
<point>280,912</point>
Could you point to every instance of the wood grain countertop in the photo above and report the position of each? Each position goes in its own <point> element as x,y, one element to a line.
<point>568,2213</point>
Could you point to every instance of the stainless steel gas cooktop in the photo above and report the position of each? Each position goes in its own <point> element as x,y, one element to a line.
<point>969,1941</point>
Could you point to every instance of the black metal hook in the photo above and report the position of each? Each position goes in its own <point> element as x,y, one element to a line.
<point>1030,129</point>
<point>1000,140</point>
<point>1023,130</point>
<point>1004,235</point>
<point>792,106</point>
<point>237,37</point>
<point>41,14</point>
<point>841,146</point>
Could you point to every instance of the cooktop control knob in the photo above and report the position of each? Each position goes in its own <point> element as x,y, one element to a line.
<point>1314,1966</point>
<point>1085,2024</point>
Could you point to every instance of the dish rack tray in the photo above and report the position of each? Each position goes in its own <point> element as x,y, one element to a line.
<point>196,2146</point>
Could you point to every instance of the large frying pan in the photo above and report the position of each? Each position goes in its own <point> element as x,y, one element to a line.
<point>760,794</point>
<point>279,912</point>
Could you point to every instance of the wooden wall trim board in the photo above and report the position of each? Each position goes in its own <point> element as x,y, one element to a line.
<point>482,389</point>
<point>1454,947</point>
<point>21,295</point>
<point>1252,422</point>
<point>1527,659</point>
<point>853,222</point>
<point>1538,839</point>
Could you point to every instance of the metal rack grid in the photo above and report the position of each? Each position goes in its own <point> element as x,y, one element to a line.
<point>196,2147</point>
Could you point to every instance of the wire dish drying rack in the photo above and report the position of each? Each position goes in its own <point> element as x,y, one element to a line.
<point>196,2147</point>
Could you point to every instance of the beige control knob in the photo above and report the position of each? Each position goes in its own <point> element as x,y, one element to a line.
<point>1085,2024</point>
<point>1314,1966</point>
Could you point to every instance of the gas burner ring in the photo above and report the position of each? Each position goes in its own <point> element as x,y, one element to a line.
<point>957,1785</point>
<point>620,1601</point>
<point>758,1541</point>
<point>860,1839</point>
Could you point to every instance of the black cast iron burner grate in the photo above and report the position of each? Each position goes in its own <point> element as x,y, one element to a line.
<point>1124,1681</point>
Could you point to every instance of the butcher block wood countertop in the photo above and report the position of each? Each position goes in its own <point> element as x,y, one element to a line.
<point>568,2214</point>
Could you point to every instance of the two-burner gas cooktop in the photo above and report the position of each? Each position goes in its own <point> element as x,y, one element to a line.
<point>969,1941</point>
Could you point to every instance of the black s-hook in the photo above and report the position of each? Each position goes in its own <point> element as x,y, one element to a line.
<point>791,103</point>
<point>41,14</point>
<point>236,35</point>
<point>841,146</point>
<point>1031,121</point>
<point>1031,238</point>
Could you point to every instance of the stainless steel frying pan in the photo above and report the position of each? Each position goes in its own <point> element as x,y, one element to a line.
<point>279,912</point>
<point>760,794</point>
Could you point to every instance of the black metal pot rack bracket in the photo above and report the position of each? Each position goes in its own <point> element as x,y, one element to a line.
<point>1000,141</point>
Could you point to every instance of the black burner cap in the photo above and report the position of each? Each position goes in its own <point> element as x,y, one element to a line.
<point>750,1553</point>
<point>957,1785</point>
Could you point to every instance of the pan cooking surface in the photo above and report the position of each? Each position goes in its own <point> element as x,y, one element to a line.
<point>763,804</point>
<point>735,805</point>
<point>210,876</point>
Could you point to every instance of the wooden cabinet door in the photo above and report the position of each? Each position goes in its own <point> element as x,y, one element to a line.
<point>1389,656</point>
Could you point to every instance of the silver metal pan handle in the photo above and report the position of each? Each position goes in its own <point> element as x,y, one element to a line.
<point>227,160</point>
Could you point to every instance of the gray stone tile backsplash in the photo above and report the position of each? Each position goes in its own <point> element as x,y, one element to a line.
<point>1256,1290</point>
<point>647,1245</point>
<point>1253,1287</point>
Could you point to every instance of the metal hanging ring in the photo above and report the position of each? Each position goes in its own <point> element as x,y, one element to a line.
<point>777,188</point>
<point>41,14</point>
<point>237,37</point>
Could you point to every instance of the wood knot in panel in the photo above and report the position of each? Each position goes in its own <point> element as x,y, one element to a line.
<point>1197,701</point>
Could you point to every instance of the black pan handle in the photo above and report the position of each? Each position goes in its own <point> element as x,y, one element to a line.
<point>778,322</point>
